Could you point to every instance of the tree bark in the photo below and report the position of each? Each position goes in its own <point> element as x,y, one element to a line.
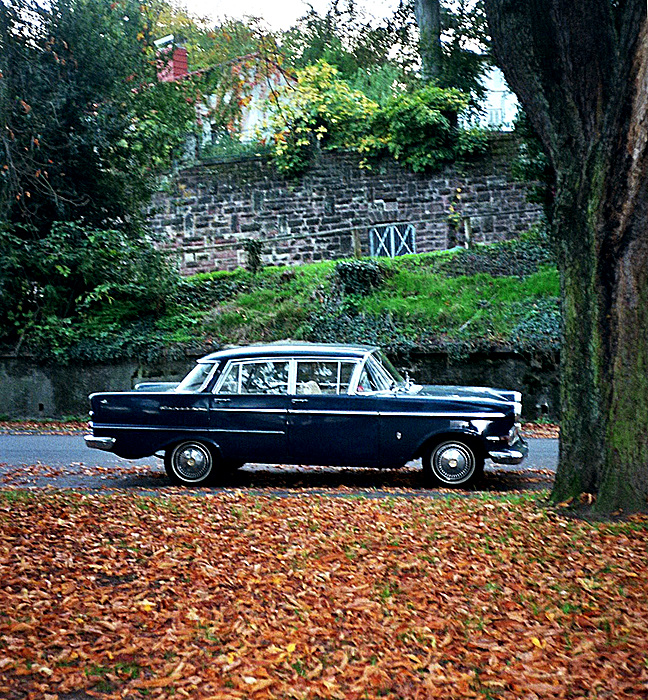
<point>428,20</point>
<point>580,69</point>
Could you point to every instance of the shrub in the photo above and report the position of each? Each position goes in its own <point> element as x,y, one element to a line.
<point>421,129</point>
<point>360,276</point>
<point>320,111</point>
<point>540,330</point>
<point>515,258</point>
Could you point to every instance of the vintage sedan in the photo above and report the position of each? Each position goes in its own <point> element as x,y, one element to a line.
<point>329,405</point>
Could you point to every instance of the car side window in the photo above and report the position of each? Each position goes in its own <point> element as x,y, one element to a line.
<point>323,377</point>
<point>268,377</point>
<point>369,381</point>
<point>230,383</point>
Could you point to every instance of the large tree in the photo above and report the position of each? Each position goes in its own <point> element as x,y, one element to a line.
<point>580,69</point>
<point>85,125</point>
<point>428,19</point>
<point>84,122</point>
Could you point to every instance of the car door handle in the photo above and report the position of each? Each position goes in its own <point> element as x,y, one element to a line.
<point>300,400</point>
<point>222,400</point>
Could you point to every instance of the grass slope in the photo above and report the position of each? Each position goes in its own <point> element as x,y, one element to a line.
<point>502,295</point>
<point>415,300</point>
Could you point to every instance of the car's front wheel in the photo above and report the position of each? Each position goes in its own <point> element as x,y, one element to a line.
<point>190,463</point>
<point>452,463</point>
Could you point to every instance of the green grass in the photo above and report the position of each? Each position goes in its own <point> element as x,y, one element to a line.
<point>419,302</point>
<point>504,295</point>
<point>490,306</point>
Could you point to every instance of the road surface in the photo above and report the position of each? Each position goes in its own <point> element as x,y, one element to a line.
<point>63,461</point>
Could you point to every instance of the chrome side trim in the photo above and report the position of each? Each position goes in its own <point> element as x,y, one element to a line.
<point>305,411</point>
<point>446,414</point>
<point>250,410</point>
<point>247,432</point>
<point>401,414</point>
<point>181,429</point>
<point>183,408</point>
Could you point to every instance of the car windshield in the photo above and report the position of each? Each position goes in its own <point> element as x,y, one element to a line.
<point>196,378</point>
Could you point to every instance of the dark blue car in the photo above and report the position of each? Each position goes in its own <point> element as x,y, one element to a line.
<point>333,405</point>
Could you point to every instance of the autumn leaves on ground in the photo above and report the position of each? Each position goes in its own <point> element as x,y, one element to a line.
<point>235,595</point>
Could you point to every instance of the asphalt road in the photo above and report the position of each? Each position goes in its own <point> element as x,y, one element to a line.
<point>63,461</point>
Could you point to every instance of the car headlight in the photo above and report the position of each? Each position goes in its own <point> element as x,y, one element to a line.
<point>517,406</point>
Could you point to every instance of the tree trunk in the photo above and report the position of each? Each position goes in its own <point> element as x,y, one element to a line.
<point>580,69</point>
<point>428,20</point>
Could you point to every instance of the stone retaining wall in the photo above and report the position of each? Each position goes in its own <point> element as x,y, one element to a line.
<point>208,210</point>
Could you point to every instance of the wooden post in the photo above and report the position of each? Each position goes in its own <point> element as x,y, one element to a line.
<point>357,244</point>
<point>468,232</point>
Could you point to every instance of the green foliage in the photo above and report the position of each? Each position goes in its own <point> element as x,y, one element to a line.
<point>57,287</point>
<point>276,303</point>
<point>345,322</point>
<point>420,129</point>
<point>85,119</point>
<point>460,301</point>
<point>229,145</point>
<point>540,328</point>
<point>347,40</point>
<point>86,126</point>
<point>448,300</point>
<point>361,277</point>
<point>465,48</point>
<point>320,110</point>
<point>203,291</point>
<point>532,165</point>
<point>380,57</point>
<point>432,309</point>
<point>516,258</point>
<point>379,83</point>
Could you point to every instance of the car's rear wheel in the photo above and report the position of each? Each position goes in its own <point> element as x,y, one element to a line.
<point>452,463</point>
<point>190,463</point>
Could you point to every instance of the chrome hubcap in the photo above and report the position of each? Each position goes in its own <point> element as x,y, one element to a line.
<point>192,462</point>
<point>453,462</point>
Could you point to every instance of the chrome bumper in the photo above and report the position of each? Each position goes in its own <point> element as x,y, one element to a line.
<point>513,454</point>
<point>100,443</point>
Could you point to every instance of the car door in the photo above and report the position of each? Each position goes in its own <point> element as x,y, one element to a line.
<point>327,425</point>
<point>249,410</point>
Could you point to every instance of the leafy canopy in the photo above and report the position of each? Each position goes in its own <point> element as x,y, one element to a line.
<point>320,109</point>
<point>419,128</point>
<point>86,126</point>
<point>85,121</point>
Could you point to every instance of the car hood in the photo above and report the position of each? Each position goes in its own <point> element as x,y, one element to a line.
<point>466,392</point>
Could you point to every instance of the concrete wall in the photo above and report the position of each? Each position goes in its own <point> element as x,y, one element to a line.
<point>31,390</point>
<point>206,211</point>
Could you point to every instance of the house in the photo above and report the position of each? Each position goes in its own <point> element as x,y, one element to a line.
<point>500,104</point>
<point>252,79</point>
